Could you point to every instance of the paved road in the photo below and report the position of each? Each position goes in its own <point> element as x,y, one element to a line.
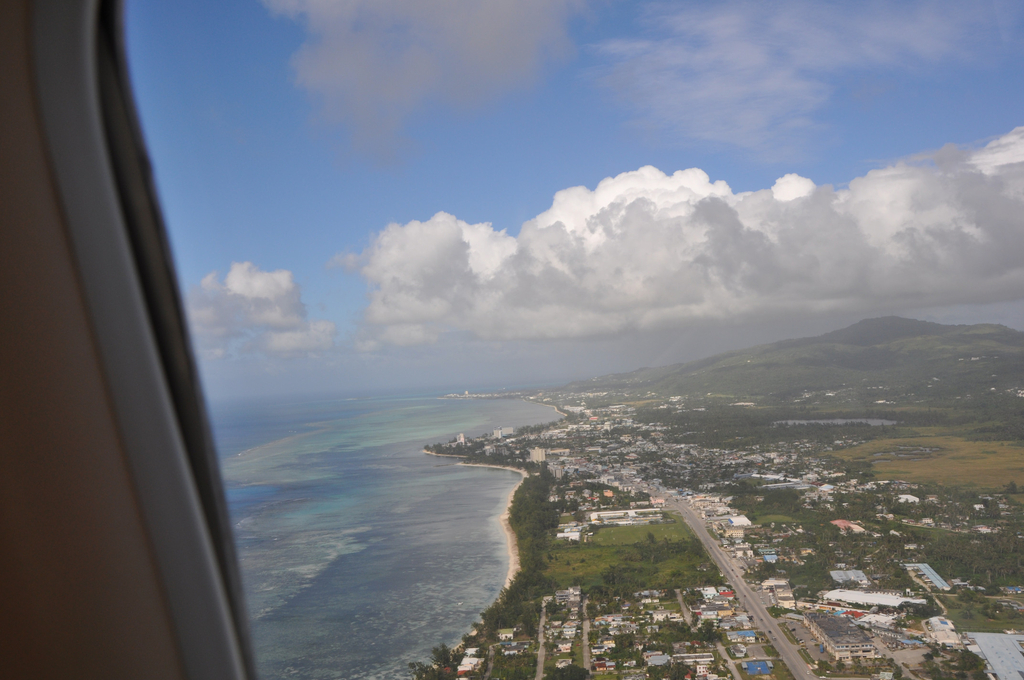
<point>750,601</point>
<point>586,635</point>
<point>683,608</point>
<point>729,662</point>
<point>540,642</point>
<point>490,663</point>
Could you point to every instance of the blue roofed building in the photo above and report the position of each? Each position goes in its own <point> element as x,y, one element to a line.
<point>757,667</point>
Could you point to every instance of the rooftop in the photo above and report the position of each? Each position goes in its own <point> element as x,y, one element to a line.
<point>839,629</point>
<point>930,574</point>
<point>860,597</point>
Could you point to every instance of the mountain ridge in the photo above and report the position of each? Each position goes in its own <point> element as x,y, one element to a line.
<point>921,357</point>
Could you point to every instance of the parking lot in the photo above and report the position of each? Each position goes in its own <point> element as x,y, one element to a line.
<point>806,639</point>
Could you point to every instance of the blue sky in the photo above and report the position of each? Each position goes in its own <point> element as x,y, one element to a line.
<point>288,135</point>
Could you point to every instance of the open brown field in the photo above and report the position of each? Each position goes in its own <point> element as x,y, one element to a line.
<point>942,459</point>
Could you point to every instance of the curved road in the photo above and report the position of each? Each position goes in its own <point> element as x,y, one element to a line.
<point>758,613</point>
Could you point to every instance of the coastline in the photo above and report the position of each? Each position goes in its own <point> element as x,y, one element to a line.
<point>511,544</point>
<point>564,415</point>
<point>273,478</point>
<point>523,399</point>
<point>510,536</point>
<point>443,455</point>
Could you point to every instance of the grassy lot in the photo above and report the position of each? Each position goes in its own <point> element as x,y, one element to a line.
<point>768,519</point>
<point>675,531</point>
<point>781,671</point>
<point>614,559</point>
<point>553,657</point>
<point>978,623</point>
<point>942,459</point>
<point>667,605</point>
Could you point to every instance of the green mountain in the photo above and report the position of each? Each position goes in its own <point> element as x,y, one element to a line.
<point>888,360</point>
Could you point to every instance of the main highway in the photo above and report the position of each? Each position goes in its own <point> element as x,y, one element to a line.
<point>750,601</point>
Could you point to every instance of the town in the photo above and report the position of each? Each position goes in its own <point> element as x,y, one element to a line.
<point>676,556</point>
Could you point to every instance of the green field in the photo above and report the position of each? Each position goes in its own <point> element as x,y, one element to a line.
<point>676,531</point>
<point>768,519</point>
<point>624,557</point>
<point>976,621</point>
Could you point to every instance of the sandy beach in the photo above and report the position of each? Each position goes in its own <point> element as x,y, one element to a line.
<point>539,403</point>
<point>510,536</point>
<point>443,455</point>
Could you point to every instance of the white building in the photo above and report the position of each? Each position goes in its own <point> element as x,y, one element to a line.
<point>625,517</point>
<point>538,455</point>
<point>846,575</point>
<point>1002,653</point>
<point>942,631</point>
<point>859,597</point>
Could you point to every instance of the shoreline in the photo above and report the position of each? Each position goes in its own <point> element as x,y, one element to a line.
<point>443,455</point>
<point>511,543</point>
<point>523,399</point>
<point>564,415</point>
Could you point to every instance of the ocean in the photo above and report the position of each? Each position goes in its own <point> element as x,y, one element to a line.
<point>359,552</point>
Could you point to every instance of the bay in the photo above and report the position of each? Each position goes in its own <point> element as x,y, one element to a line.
<point>359,552</point>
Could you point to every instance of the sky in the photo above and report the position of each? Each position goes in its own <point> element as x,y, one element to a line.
<point>382,196</point>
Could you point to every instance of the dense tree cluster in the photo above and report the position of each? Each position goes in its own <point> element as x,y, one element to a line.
<point>637,568</point>
<point>532,518</point>
<point>444,665</point>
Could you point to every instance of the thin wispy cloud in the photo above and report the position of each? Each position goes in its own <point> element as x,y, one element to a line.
<point>647,251</point>
<point>371,64</point>
<point>755,75</point>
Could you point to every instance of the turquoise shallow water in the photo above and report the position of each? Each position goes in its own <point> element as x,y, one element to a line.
<point>359,552</point>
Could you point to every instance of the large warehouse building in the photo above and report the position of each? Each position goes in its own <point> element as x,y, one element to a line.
<point>871,599</point>
<point>841,638</point>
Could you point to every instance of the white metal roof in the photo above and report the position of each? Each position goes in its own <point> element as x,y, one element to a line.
<point>858,597</point>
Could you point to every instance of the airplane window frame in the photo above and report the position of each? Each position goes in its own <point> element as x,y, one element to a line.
<point>124,262</point>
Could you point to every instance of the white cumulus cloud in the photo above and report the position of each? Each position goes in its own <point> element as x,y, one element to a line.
<point>646,250</point>
<point>371,63</point>
<point>255,310</point>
